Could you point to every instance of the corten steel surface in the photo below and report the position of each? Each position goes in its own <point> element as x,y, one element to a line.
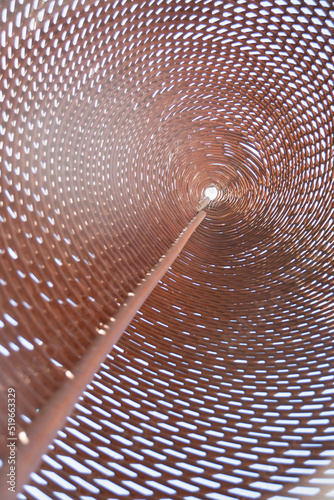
<point>115,118</point>
<point>53,415</point>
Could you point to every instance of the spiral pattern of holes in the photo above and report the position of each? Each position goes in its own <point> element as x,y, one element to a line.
<point>115,118</point>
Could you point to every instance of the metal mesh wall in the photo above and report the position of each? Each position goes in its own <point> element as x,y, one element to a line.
<point>115,118</point>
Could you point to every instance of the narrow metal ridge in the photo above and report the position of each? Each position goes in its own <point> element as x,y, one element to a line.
<point>51,418</point>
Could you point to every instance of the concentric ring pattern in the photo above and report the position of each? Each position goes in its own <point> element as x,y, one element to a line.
<point>115,118</point>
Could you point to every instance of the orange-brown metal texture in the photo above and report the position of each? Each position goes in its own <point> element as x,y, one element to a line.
<point>115,117</point>
<point>53,415</point>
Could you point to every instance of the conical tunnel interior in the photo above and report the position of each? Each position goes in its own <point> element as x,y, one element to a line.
<point>117,119</point>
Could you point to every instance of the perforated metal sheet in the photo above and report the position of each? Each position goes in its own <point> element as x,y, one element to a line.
<point>115,118</point>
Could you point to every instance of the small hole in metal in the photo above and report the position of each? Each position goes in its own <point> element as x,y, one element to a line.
<point>211,192</point>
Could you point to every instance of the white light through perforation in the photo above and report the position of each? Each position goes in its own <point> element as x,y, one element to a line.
<point>211,192</point>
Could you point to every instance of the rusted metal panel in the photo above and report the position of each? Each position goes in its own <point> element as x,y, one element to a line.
<point>115,119</point>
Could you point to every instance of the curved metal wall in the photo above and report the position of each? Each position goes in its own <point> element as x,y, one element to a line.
<point>116,116</point>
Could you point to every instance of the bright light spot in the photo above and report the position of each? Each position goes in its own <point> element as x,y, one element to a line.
<point>211,192</point>
<point>23,437</point>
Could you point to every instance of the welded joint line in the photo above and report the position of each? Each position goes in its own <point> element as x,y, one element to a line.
<point>53,415</point>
